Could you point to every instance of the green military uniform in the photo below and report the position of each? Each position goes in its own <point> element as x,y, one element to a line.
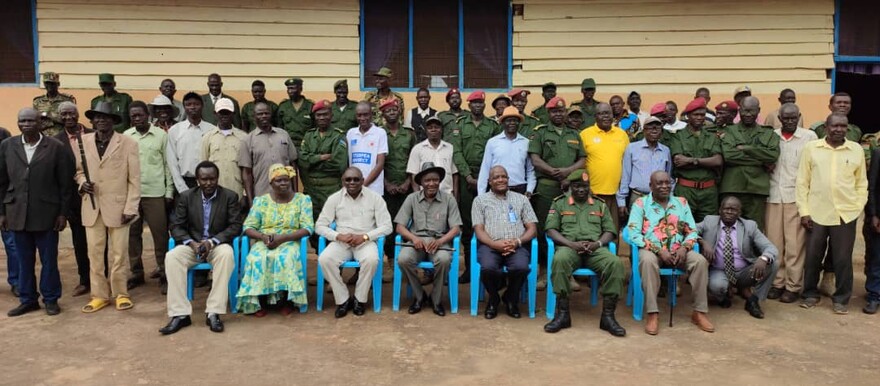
<point>344,117</point>
<point>376,100</point>
<point>448,118</point>
<point>745,175</point>
<point>399,147</point>
<point>583,222</point>
<point>323,177</point>
<point>703,199</point>
<point>527,125</point>
<point>870,142</point>
<point>247,114</point>
<point>296,121</point>
<point>119,102</point>
<point>589,111</point>
<point>49,107</point>
<point>541,114</point>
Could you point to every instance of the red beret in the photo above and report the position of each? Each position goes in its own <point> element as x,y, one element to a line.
<point>696,104</point>
<point>555,103</point>
<point>658,108</point>
<point>320,105</point>
<point>518,92</point>
<point>478,95</point>
<point>388,103</point>
<point>451,91</point>
<point>727,106</point>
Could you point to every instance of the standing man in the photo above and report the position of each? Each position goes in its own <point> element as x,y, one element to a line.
<point>662,227</point>
<point>114,182</point>
<point>634,102</point>
<point>324,157</point>
<point>361,218</point>
<point>209,100</point>
<point>785,96</point>
<point>222,146</point>
<point>168,89</point>
<point>119,101</point>
<point>556,151</point>
<point>439,153</point>
<point>500,103</point>
<point>696,160</point>
<point>574,119</point>
<point>367,149</point>
<point>750,152</point>
<point>455,112</point>
<point>295,113</point>
<point>185,143</point>
<point>519,98</point>
<point>588,104</point>
<point>672,123</point>
<point>263,148</point>
<point>503,223</point>
<point>703,92</point>
<point>604,145</point>
<point>782,219</point>
<point>840,103</point>
<point>640,160</point>
<point>397,182</point>
<point>724,114</point>
<point>71,135</point>
<point>832,190</point>
<point>548,91</point>
<point>624,119</point>
<point>48,104</point>
<point>739,255</point>
<point>248,123</point>
<point>383,92</point>
<point>416,117</point>
<point>343,108</point>
<point>35,189</point>
<point>163,112</point>
<point>583,242</point>
<point>872,238</point>
<point>509,149</point>
<point>157,194</point>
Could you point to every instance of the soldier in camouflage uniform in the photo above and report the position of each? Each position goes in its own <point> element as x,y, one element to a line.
<point>47,104</point>
<point>383,92</point>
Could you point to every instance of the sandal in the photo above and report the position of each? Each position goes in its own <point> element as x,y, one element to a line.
<point>94,305</point>
<point>123,303</point>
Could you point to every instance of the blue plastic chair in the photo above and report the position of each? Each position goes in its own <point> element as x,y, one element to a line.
<point>233,280</point>
<point>453,276</point>
<point>583,271</point>
<point>635,293</point>
<point>303,259</point>
<point>377,278</point>
<point>529,289</point>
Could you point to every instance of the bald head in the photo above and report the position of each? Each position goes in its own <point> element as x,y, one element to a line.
<point>29,122</point>
<point>749,110</point>
<point>661,185</point>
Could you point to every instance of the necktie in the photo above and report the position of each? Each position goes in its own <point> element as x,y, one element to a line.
<point>727,250</point>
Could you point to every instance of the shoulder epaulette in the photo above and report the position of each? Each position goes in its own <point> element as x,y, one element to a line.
<point>559,197</point>
<point>539,127</point>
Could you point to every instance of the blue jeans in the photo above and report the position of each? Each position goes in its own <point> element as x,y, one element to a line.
<point>27,244</point>
<point>872,265</point>
<point>11,258</point>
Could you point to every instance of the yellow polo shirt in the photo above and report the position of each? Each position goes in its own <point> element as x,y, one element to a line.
<point>831,182</point>
<point>604,157</point>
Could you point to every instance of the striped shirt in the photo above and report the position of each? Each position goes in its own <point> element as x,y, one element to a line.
<point>503,218</point>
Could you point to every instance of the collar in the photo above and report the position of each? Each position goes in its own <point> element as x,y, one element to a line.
<point>370,130</point>
<point>423,112</point>
<point>345,193</point>
<point>673,201</point>
<point>824,143</point>
<point>260,131</point>
<point>427,143</point>
<point>517,138</point>
<point>440,197</point>
<point>202,195</point>
<point>571,200</point>
<point>36,144</point>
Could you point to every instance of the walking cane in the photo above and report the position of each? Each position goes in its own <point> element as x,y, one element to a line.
<point>85,166</point>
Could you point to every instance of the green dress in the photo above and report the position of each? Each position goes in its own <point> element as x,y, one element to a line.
<point>268,272</point>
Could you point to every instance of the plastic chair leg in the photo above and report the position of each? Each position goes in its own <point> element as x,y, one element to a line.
<point>304,260</point>
<point>377,278</point>
<point>453,276</point>
<point>551,296</point>
<point>476,285</point>
<point>395,287</point>
<point>319,294</point>
<point>594,290</point>
<point>189,284</point>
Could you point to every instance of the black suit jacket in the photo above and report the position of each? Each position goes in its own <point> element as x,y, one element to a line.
<point>75,208</point>
<point>224,223</point>
<point>871,208</point>
<point>34,194</point>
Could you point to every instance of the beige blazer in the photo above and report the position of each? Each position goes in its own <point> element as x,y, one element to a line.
<point>117,179</point>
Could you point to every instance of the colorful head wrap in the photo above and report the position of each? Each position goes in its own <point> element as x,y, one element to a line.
<point>278,170</point>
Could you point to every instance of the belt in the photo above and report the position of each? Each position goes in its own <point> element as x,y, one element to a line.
<point>695,184</point>
<point>548,181</point>
<point>637,192</point>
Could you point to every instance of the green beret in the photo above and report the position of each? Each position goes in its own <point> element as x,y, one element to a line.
<point>579,175</point>
<point>340,83</point>
<point>293,81</point>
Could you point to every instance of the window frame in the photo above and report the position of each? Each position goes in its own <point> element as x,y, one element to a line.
<point>845,58</point>
<point>35,36</point>
<point>410,75</point>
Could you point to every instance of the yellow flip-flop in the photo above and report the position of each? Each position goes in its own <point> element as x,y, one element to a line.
<point>95,305</point>
<point>123,303</point>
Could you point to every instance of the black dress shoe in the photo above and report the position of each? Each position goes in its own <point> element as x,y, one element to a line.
<point>754,308</point>
<point>156,273</point>
<point>175,324</point>
<point>52,308</point>
<point>342,309</point>
<point>871,307</point>
<point>23,309</point>
<point>135,282</point>
<point>439,310</point>
<point>359,308</point>
<point>725,303</point>
<point>415,307</point>
<point>491,311</point>
<point>213,321</point>
<point>512,310</point>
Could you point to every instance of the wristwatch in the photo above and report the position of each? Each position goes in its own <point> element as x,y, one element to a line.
<point>696,161</point>
<point>366,238</point>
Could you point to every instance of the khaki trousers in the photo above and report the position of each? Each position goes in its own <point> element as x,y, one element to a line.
<point>117,259</point>
<point>785,232</point>
<point>336,253</point>
<point>179,261</point>
<point>698,277</point>
<point>409,260</point>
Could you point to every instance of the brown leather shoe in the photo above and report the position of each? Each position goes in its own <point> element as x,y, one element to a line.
<point>80,290</point>
<point>702,321</point>
<point>789,297</point>
<point>652,323</point>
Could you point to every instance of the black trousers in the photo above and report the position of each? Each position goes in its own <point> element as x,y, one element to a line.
<point>492,274</point>
<point>842,237</point>
<point>80,244</point>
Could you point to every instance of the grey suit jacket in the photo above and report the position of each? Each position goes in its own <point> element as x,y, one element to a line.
<point>209,115</point>
<point>752,243</point>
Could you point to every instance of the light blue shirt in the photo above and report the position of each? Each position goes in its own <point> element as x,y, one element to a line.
<point>639,161</point>
<point>513,155</point>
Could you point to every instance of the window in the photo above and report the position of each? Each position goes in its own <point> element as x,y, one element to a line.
<point>859,32</point>
<point>437,44</point>
<point>17,42</point>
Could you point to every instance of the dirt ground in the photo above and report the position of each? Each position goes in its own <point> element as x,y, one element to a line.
<point>791,346</point>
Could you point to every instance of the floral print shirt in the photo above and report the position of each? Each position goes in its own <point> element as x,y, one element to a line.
<point>655,228</point>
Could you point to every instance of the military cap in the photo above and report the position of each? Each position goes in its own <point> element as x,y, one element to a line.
<point>574,110</point>
<point>106,78</point>
<point>293,81</point>
<point>384,71</point>
<point>51,77</point>
<point>340,83</point>
<point>321,105</point>
<point>433,118</point>
<point>389,103</point>
<point>518,93</point>
<point>578,175</point>
<point>588,83</point>
<point>548,85</point>
<point>696,104</point>
<point>510,111</point>
<point>452,91</point>
<point>555,103</point>
<point>727,106</point>
<point>478,95</point>
<point>659,108</point>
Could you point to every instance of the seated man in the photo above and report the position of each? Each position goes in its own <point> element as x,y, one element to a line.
<point>361,218</point>
<point>739,255</point>
<point>504,222</point>
<point>581,227</point>
<point>205,221</point>
<point>662,227</point>
<point>435,222</point>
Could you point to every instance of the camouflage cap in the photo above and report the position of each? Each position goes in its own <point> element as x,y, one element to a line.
<point>384,71</point>
<point>51,77</point>
<point>106,78</point>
